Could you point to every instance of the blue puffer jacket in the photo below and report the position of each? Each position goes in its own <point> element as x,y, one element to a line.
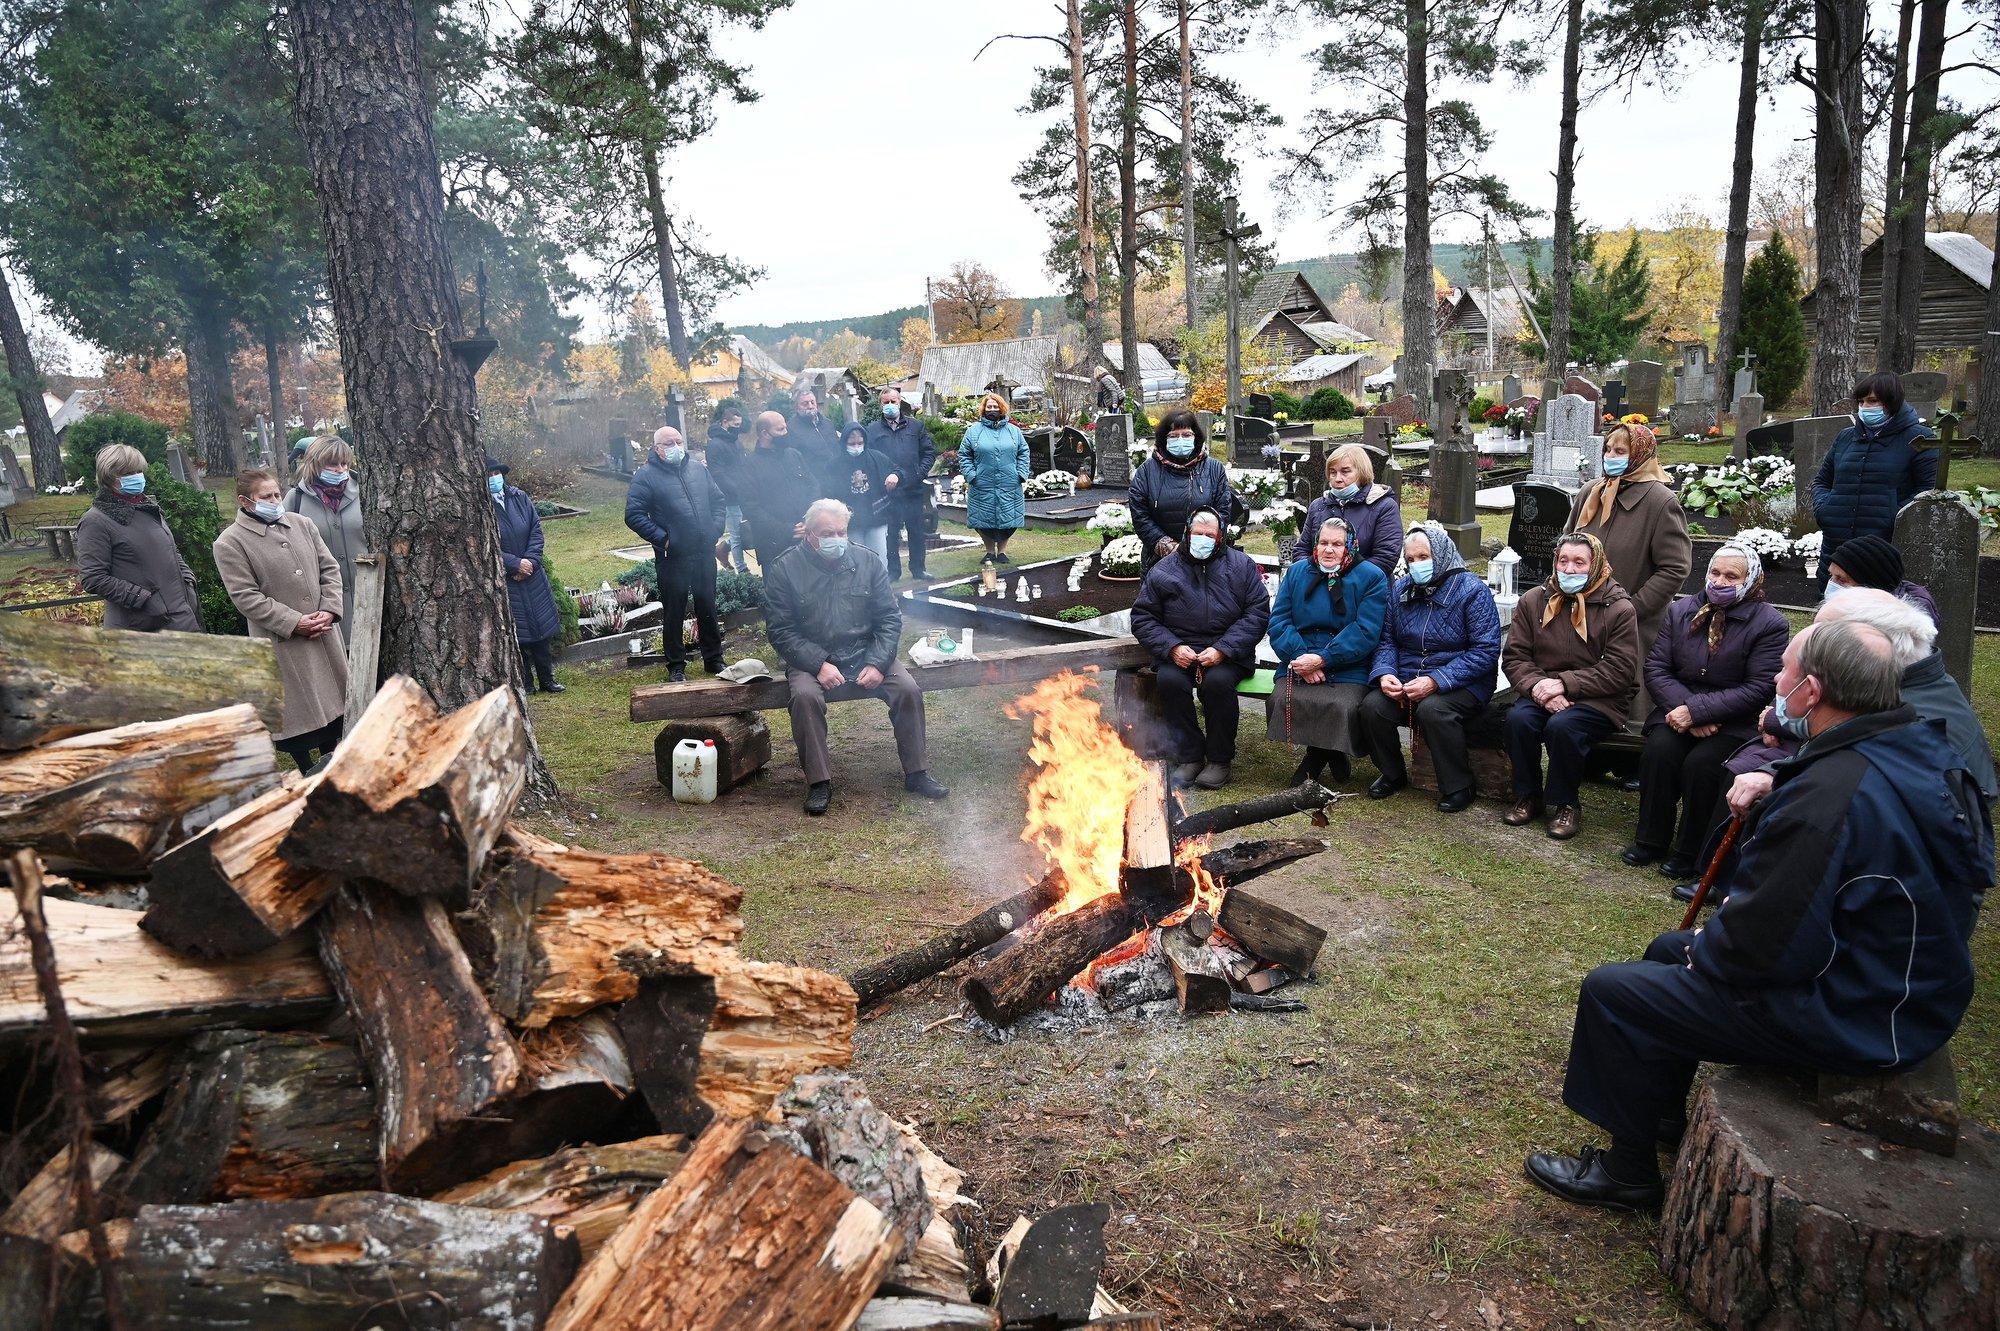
<point>1305,619</point>
<point>1450,632</point>
<point>1218,602</point>
<point>1853,896</point>
<point>994,460</point>
<point>1868,475</point>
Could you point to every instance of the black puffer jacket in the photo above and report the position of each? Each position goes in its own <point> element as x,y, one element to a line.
<point>676,509</point>
<point>818,440</point>
<point>1165,493</point>
<point>1217,602</point>
<point>910,451</point>
<point>776,486</point>
<point>842,610</point>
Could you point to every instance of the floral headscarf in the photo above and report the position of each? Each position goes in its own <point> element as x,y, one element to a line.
<point>1753,584</point>
<point>1600,573</point>
<point>1333,579</point>
<point>1600,502</point>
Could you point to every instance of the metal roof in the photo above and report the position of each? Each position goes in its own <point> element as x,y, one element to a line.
<point>958,368</point>
<point>1964,253</point>
<point>1323,366</point>
<point>1332,333</point>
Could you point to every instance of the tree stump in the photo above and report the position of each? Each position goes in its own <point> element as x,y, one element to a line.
<point>1492,770</point>
<point>1777,1219</point>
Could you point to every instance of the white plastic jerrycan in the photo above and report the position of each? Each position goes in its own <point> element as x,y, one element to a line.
<point>695,762</point>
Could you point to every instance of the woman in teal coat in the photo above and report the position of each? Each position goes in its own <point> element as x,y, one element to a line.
<point>1325,626</point>
<point>993,457</point>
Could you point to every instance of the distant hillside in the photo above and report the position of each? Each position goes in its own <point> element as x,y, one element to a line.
<point>886,327</point>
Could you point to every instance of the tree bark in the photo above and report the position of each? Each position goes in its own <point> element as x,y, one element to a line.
<point>366,127</point>
<point>274,389</point>
<point>1913,204</point>
<point>772,1023</point>
<point>1419,293</point>
<point>44,451</point>
<point>1894,169</point>
<point>1840,29</point>
<point>1187,168</point>
<point>1562,265</point>
<point>1986,413</point>
<point>1086,219</point>
<point>589,1189</point>
<point>226,892</point>
<point>1128,206</point>
<point>1736,230</point>
<point>1270,932</point>
<point>893,974</point>
<point>656,203</point>
<point>1306,797</point>
<point>211,396</point>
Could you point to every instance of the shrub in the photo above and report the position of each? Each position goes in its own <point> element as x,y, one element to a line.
<point>566,612</point>
<point>83,439</point>
<point>1328,404</point>
<point>196,519</point>
<point>1078,613</point>
<point>1288,403</point>
<point>540,473</point>
<point>733,591</point>
<point>1481,404</point>
<point>1772,324</point>
<point>946,433</point>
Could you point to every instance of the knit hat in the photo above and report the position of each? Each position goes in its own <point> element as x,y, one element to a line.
<point>1871,562</point>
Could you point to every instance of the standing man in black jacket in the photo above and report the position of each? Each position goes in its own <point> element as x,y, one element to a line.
<point>675,505</point>
<point>725,463</point>
<point>906,442</point>
<point>817,439</point>
<point>776,485</point>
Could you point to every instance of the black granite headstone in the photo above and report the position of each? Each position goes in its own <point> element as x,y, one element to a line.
<point>1938,534</point>
<point>1540,514</point>
<point>1768,439</point>
<point>1114,457</point>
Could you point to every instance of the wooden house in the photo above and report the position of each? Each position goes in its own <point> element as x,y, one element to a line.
<point>739,366</point>
<point>1463,317</point>
<point>1951,312</point>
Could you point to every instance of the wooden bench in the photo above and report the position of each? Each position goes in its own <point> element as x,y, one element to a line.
<point>61,542</point>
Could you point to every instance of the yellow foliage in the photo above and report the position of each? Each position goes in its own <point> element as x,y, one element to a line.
<point>594,367</point>
<point>916,340</point>
<point>1208,345</point>
<point>662,373</point>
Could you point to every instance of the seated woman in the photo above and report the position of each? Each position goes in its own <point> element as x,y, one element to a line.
<point>1201,612</point>
<point>1573,656</point>
<point>1710,673</point>
<point>1870,561</point>
<point>1374,519</point>
<point>1325,626</point>
<point>1440,643</point>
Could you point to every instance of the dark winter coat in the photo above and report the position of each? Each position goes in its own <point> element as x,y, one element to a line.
<point>818,441</point>
<point>1852,897</point>
<point>725,462</point>
<point>535,617</point>
<point>861,487</point>
<point>1601,671</point>
<point>1218,602</point>
<point>1727,687</point>
<point>776,486</point>
<point>675,509</point>
<point>1868,475</point>
<point>841,611</point>
<point>126,554</point>
<point>1165,492</point>
<point>1305,619</point>
<point>911,454</point>
<point>1450,632</point>
<point>1375,526</point>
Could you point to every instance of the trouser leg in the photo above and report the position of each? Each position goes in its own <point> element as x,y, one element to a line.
<point>700,581</point>
<point>1660,785</point>
<point>732,527</point>
<point>1568,738</point>
<point>1442,718</point>
<point>912,519</point>
<point>877,540</point>
<point>542,659</point>
<point>1704,782</point>
<point>892,536</point>
<point>1526,720</point>
<point>672,575</point>
<point>906,715</point>
<point>1174,690</point>
<point>808,709</point>
<point>1380,716</point>
<point>1221,709</point>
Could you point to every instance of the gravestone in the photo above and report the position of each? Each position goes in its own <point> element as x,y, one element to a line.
<point>1041,451</point>
<point>1248,438</point>
<point>1114,450</point>
<point>1924,390</point>
<point>1613,404</point>
<point>1938,534</point>
<point>1749,415</point>
<point>1812,437</point>
<point>618,448</point>
<point>1695,418</point>
<point>1567,454</point>
<point>1642,382</point>
<point>1746,383</point>
<point>177,465</point>
<point>1260,404</point>
<point>1694,381</point>
<point>1764,440</point>
<point>11,473</point>
<point>1401,409</point>
<point>1454,462</point>
<point>1377,433</point>
<point>1510,388</point>
<point>852,401</point>
<point>1541,512</point>
<point>1583,387</point>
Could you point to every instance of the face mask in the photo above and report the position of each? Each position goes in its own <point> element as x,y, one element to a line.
<point>1721,593</point>
<point>269,509</point>
<point>856,450</point>
<point>674,456</point>
<point>832,547</point>
<point>1795,726</point>
<point>332,478</point>
<point>1616,466</point>
<point>496,484</point>
<point>1872,417</point>
<point>1572,583</point>
<point>1180,445</point>
<point>891,410</point>
<point>994,416</point>
<point>1834,591</point>
<point>1330,568</point>
<point>135,484</point>
<point>1347,491</point>
<point>1201,547</point>
<point>1421,570</point>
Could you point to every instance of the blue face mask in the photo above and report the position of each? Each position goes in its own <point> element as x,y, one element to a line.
<point>674,456</point>
<point>856,450</point>
<point>891,410</point>
<point>1572,583</point>
<point>1872,417</point>
<point>135,484</point>
<point>1201,546</point>
<point>832,547</point>
<point>1616,466</point>
<point>496,484</point>
<point>269,509</point>
<point>1795,726</point>
<point>1347,491</point>
<point>1180,445</point>
<point>1421,570</point>
<point>332,478</point>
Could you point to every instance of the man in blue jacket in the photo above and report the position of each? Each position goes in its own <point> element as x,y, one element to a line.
<point>1842,946</point>
<point>674,504</point>
<point>906,442</point>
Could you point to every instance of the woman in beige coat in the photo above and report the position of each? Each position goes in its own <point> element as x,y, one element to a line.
<point>286,583</point>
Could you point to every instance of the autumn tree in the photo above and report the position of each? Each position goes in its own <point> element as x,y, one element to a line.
<point>914,340</point>
<point>1686,279</point>
<point>974,305</point>
<point>845,347</point>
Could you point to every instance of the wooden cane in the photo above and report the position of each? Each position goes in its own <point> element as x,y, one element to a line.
<point>1714,867</point>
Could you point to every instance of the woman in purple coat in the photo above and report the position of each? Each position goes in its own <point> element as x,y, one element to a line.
<point>1709,674</point>
<point>1374,519</point>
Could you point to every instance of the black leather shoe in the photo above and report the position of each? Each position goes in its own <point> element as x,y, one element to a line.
<point>714,667</point>
<point>555,688</point>
<point>1582,1178</point>
<point>1676,867</point>
<point>1685,891</point>
<point>818,797</point>
<point>1456,802</point>
<point>1382,787</point>
<point>1636,855</point>
<point>922,783</point>
<point>677,674</point>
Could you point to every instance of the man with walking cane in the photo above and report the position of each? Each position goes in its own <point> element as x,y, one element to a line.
<point>1841,945</point>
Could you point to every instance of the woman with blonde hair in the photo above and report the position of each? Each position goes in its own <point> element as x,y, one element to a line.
<point>325,493</point>
<point>126,553</point>
<point>993,457</point>
<point>1374,519</point>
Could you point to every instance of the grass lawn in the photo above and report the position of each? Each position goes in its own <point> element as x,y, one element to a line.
<point>1356,1164</point>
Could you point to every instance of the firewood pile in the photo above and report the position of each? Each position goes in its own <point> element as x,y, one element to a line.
<point>369,1052</point>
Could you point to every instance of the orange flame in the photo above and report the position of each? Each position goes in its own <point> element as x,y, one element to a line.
<point>1084,777</point>
<point>1207,887</point>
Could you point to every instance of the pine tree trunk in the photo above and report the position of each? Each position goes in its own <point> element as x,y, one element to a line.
<point>1562,268</point>
<point>1736,233</point>
<point>1899,351</point>
<point>1986,412</point>
<point>1086,219</point>
<point>43,449</point>
<point>1128,208</point>
<point>1839,30</point>
<point>1892,250</point>
<point>1187,168</point>
<point>367,132</point>
<point>656,204</point>
<point>211,397</point>
<point>1419,293</point>
<point>274,388</point>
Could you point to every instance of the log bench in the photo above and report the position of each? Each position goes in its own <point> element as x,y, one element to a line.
<point>61,542</point>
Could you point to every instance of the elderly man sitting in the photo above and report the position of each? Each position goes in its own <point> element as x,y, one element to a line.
<point>832,617</point>
<point>1842,946</point>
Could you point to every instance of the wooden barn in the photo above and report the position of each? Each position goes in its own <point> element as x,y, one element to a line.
<point>1463,314</point>
<point>1951,316</point>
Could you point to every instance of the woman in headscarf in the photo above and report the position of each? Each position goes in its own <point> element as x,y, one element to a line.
<point>324,491</point>
<point>1434,668</point>
<point>1177,479</point>
<point>1710,673</point>
<point>1325,626</point>
<point>1870,561</point>
<point>1573,656</point>
<point>993,457</point>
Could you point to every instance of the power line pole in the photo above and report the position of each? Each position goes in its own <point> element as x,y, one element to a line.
<point>1187,165</point>
<point>930,309</point>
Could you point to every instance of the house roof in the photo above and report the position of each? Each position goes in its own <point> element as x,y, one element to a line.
<point>958,368</point>
<point>1331,333</point>
<point>1964,253</point>
<point>1498,304</point>
<point>708,370</point>
<point>1323,366</point>
<point>1281,289</point>
<point>1153,363</point>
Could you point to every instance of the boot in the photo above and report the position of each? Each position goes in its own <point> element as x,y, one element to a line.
<point>1213,777</point>
<point>923,783</point>
<point>818,796</point>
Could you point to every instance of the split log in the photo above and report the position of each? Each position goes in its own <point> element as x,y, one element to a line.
<point>742,747</point>
<point>257,1117</point>
<point>1051,1278</point>
<point>123,1078</point>
<point>119,982</point>
<point>58,680</point>
<point>226,892</point>
<point>1017,982</point>
<point>894,974</point>
<point>112,800</point>
<point>438,1057</point>
<point>414,799</point>
<point>589,1190</point>
<point>1265,1003</point>
<point>938,1267</point>
<point>1147,878</point>
<point>1264,981</point>
<point>925,1314</point>
<point>748,1235</point>
<point>1306,797</point>
<point>1196,988</point>
<point>828,1118</point>
<point>573,1089</point>
<point>546,926</point>
<point>1246,860</point>
<point>1916,1107</point>
<point>663,1026</point>
<point>1271,932</point>
<point>772,1023</point>
<point>27,1266</point>
<point>46,1208</point>
<point>1101,1305</point>
<point>336,1263</point>
<point>1776,1218</point>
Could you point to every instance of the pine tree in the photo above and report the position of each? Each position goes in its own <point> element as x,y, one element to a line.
<point>1607,303</point>
<point>1774,327</point>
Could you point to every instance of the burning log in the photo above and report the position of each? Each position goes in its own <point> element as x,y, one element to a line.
<point>1196,987</point>
<point>1020,980</point>
<point>226,892</point>
<point>1253,859</point>
<point>587,1189</point>
<point>894,974</point>
<point>1146,876</point>
<point>1306,797</point>
<point>1270,931</point>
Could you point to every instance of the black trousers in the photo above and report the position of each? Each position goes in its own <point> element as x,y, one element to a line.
<point>679,580</point>
<point>1219,705</point>
<point>300,748</point>
<point>906,519</point>
<point>1442,718</point>
<point>1567,735</point>
<point>538,662</point>
<point>1678,772</point>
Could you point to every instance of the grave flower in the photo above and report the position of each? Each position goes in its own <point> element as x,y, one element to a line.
<point>1634,418</point>
<point>1113,518</point>
<point>1050,485</point>
<point>1122,558</point>
<point>1496,414</point>
<point>1767,544</point>
<point>1281,517</point>
<point>1256,487</point>
<point>1807,546</point>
